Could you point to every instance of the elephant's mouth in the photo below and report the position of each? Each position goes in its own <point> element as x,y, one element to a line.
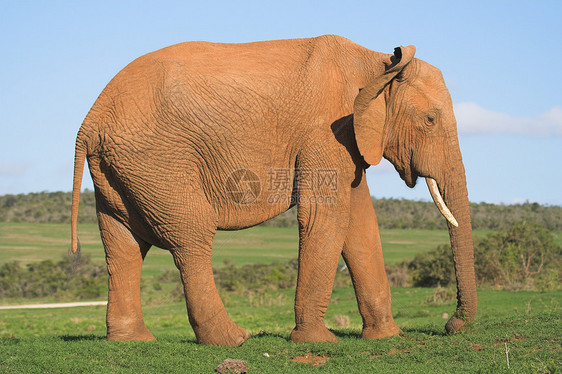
<point>408,176</point>
<point>411,178</point>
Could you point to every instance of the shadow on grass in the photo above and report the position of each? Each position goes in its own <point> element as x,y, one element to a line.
<point>260,335</point>
<point>265,334</point>
<point>425,330</point>
<point>181,340</point>
<point>352,334</point>
<point>78,338</point>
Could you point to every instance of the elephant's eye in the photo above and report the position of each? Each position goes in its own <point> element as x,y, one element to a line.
<point>430,120</point>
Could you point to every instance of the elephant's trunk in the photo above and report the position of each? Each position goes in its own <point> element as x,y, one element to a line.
<point>455,197</point>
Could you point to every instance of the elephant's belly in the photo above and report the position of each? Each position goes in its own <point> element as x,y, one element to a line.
<point>241,215</point>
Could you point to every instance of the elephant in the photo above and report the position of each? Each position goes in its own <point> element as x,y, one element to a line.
<point>199,137</point>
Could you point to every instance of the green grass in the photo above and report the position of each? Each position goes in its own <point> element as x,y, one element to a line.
<point>72,340</point>
<point>29,242</point>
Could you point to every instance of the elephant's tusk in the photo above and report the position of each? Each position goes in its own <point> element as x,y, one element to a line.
<point>438,200</point>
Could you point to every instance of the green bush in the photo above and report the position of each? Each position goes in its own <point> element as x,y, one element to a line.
<point>62,280</point>
<point>433,268</point>
<point>398,274</point>
<point>256,277</point>
<point>522,256</point>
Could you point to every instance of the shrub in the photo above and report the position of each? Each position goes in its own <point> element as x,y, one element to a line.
<point>441,296</point>
<point>256,277</point>
<point>342,321</point>
<point>523,256</point>
<point>398,275</point>
<point>433,268</point>
<point>169,276</point>
<point>62,280</point>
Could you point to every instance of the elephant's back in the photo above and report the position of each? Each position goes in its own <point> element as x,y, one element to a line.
<point>205,75</point>
<point>194,96</point>
<point>263,56</point>
<point>193,75</point>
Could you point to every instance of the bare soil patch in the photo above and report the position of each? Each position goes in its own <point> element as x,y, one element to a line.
<point>311,359</point>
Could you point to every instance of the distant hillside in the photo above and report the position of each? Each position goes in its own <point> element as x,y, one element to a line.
<point>53,207</point>
<point>392,213</point>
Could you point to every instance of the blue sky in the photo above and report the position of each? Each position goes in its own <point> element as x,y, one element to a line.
<point>501,61</point>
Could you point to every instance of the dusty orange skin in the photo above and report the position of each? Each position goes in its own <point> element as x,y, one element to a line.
<point>199,137</point>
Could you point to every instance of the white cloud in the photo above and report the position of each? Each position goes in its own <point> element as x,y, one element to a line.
<point>473,119</point>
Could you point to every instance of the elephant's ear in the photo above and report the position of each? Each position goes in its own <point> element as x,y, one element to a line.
<point>369,109</point>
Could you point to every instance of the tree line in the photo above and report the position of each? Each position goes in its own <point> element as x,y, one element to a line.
<point>54,207</point>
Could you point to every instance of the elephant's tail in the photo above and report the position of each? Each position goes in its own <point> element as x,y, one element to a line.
<point>79,160</point>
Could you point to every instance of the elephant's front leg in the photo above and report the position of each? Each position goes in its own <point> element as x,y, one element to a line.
<point>321,242</point>
<point>363,255</point>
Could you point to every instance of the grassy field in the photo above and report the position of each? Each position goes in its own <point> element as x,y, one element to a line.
<point>29,242</point>
<point>525,324</point>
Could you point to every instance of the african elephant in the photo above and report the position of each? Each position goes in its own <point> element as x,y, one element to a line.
<point>199,137</point>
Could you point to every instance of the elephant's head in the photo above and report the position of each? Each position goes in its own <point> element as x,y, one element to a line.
<point>406,115</point>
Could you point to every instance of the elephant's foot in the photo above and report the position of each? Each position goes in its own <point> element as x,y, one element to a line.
<point>124,333</point>
<point>380,331</point>
<point>224,333</point>
<point>312,334</point>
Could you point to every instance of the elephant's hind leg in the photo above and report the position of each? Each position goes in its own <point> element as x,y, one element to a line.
<point>191,249</point>
<point>124,256</point>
